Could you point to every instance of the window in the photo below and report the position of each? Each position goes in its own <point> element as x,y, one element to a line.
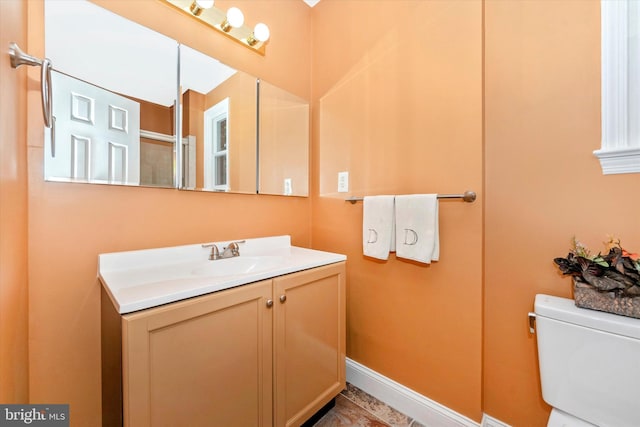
<point>216,146</point>
<point>620,151</point>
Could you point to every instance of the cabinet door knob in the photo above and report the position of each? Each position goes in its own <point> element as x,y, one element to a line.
<point>283,298</point>
<point>269,303</point>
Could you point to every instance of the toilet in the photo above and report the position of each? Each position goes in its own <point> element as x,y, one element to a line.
<point>589,364</point>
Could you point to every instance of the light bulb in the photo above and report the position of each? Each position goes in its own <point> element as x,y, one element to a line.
<point>261,32</point>
<point>205,4</point>
<point>234,19</point>
<point>199,5</point>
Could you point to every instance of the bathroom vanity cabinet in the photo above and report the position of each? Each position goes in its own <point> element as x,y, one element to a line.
<point>269,353</point>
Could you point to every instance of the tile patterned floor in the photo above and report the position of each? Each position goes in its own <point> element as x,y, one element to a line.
<point>355,408</point>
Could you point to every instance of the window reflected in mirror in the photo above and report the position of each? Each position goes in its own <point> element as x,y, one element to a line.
<point>219,113</point>
<point>215,147</point>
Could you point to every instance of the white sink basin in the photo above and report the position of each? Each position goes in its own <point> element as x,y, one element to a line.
<point>138,280</point>
<point>238,266</point>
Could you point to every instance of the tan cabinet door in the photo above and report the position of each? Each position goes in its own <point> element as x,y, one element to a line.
<point>309,340</point>
<point>206,361</point>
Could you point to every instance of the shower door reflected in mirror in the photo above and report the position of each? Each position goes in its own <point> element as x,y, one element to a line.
<point>114,91</point>
<point>284,142</point>
<point>218,120</point>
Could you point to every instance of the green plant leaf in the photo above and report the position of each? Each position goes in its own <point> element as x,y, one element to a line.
<point>600,261</point>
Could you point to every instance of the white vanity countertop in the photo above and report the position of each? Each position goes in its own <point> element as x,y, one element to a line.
<point>137,280</point>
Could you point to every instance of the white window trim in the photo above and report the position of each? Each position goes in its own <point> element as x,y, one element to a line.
<point>619,153</point>
<point>213,114</point>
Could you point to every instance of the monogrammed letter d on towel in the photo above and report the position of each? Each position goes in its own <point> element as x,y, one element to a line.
<point>417,227</point>
<point>378,231</point>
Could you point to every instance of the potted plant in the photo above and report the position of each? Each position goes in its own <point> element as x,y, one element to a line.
<point>609,282</point>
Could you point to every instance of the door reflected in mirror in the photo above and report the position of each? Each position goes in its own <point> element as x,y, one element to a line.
<point>113,98</point>
<point>284,142</point>
<point>219,114</point>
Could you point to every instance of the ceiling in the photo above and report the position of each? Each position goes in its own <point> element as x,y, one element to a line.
<point>311,3</point>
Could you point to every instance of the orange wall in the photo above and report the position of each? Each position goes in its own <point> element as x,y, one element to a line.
<point>155,117</point>
<point>543,184</point>
<point>71,224</point>
<point>397,102</point>
<point>13,211</point>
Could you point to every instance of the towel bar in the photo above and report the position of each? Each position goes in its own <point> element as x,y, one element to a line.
<point>18,58</point>
<point>467,196</point>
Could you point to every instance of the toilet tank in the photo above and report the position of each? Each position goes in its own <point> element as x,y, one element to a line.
<point>589,362</point>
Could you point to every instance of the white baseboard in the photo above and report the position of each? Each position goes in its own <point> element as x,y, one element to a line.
<point>488,421</point>
<point>405,400</point>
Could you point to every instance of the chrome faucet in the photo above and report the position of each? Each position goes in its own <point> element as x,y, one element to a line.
<point>232,250</point>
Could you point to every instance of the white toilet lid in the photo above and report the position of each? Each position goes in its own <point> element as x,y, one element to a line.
<point>565,310</point>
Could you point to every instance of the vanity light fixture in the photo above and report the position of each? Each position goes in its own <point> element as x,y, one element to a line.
<point>199,5</point>
<point>230,23</point>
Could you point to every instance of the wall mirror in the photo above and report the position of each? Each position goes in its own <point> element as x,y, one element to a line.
<point>115,89</point>
<point>284,142</point>
<point>114,92</point>
<point>218,121</point>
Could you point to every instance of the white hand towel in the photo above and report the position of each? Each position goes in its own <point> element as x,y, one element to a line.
<point>378,226</point>
<point>417,235</point>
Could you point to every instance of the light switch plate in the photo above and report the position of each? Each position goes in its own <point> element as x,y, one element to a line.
<point>343,182</point>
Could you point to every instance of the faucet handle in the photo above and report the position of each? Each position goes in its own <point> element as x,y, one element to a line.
<point>234,248</point>
<point>215,253</point>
